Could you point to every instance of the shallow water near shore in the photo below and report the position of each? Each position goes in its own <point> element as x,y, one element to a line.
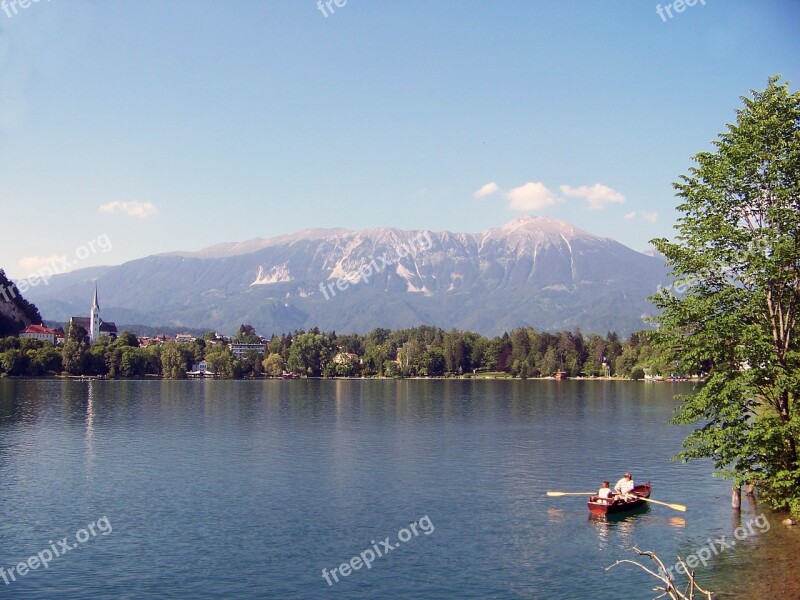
<point>243,489</point>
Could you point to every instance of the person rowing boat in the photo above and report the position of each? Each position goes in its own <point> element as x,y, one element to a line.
<point>624,486</point>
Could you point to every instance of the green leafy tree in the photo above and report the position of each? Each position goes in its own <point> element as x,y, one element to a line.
<point>73,354</point>
<point>126,339</point>
<point>173,361</point>
<point>153,359</point>
<point>133,362</point>
<point>26,344</point>
<point>520,347</point>
<point>737,257</point>
<point>112,355</point>
<point>351,343</point>
<point>14,362</point>
<point>491,355</point>
<point>549,364</point>
<point>592,368</point>
<point>101,359</point>
<point>625,362</point>
<point>9,342</point>
<point>434,362</point>
<point>47,359</point>
<point>220,361</point>
<point>455,352</point>
<point>273,365</point>
<point>309,354</point>
<point>246,335</point>
<point>374,359</point>
<point>250,364</point>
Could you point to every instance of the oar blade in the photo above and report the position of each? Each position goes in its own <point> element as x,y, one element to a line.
<point>679,507</point>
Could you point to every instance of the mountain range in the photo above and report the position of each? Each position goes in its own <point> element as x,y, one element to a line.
<point>533,271</point>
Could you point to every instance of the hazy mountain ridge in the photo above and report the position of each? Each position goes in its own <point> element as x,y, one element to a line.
<point>532,271</point>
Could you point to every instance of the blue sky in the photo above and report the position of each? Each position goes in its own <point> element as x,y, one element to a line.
<point>175,125</point>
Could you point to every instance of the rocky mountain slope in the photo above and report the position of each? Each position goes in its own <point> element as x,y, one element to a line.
<point>533,271</point>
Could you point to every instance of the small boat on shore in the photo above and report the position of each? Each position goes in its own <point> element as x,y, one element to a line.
<point>601,506</point>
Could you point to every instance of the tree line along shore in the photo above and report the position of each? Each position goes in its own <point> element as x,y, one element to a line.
<point>423,351</point>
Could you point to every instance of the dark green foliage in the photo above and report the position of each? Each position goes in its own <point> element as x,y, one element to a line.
<point>246,335</point>
<point>74,351</point>
<point>421,351</point>
<point>736,259</point>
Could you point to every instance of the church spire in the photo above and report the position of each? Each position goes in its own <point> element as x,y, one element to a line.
<point>94,319</point>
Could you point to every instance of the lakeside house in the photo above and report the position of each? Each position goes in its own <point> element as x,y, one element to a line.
<point>342,358</point>
<point>42,333</point>
<point>200,370</point>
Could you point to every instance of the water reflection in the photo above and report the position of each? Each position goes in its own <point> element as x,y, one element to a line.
<point>619,527</point>
<point>555,516</point>
<point>90,426</point>
<point>677,522</point>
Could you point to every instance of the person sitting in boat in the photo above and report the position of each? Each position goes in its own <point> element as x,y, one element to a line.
<point>604,495</point>
<point>624,486</point>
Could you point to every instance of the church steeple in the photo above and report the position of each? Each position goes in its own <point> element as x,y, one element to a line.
<point>94,318</point>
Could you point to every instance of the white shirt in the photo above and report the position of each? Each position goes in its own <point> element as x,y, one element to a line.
<point>604,492</point>
<point>624,486</point>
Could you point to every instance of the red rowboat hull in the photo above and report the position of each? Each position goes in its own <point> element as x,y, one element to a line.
<point>599,507</point>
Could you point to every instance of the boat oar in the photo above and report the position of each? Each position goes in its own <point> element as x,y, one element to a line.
<point>679,507</point>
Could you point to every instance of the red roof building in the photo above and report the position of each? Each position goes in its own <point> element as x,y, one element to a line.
<point>39,332</point>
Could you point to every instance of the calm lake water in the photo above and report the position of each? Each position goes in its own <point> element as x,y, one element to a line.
<point>235,489</point>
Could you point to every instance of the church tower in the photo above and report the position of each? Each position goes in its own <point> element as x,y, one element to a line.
<point>94,319</point>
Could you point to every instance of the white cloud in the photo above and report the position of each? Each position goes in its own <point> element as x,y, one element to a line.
<point>650,217</point>
<point>34,263</point>
<point>531,196</point>
<point>597,195</point>
<point>487,190</point>
<point>134,208</point>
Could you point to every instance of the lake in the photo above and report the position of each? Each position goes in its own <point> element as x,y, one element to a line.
<point>249,489</point>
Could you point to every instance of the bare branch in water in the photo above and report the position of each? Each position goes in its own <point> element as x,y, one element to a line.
<point>663,575</point>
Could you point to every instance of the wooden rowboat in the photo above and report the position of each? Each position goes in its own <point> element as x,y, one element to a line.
<point>599,506</point>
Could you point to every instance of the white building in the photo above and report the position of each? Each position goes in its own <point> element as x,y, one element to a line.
<point>39,332</point>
